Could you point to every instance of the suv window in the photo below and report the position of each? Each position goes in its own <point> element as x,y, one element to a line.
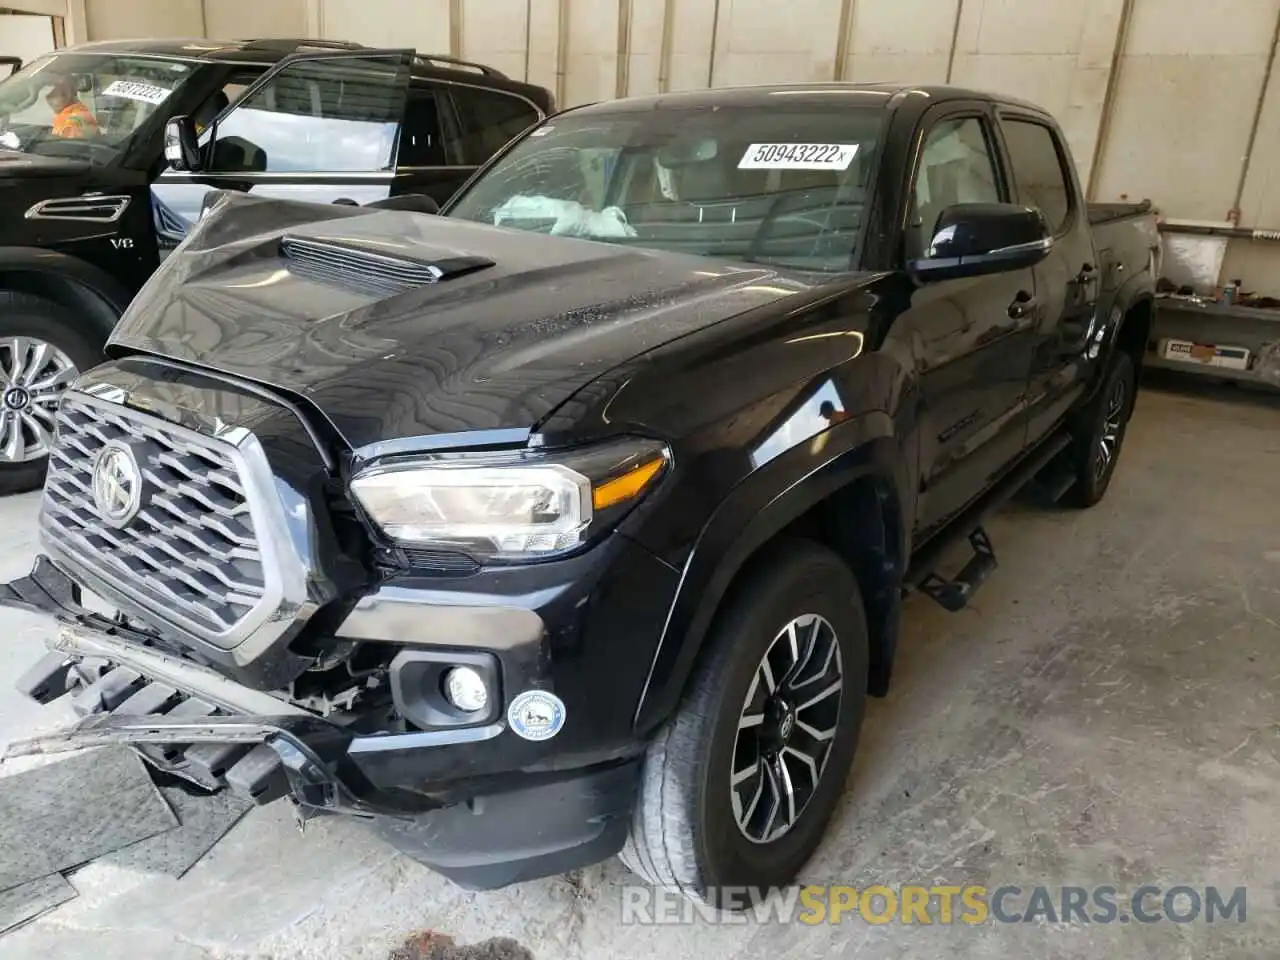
<point>488,120</point>
<point>955,167</point>
<point>1038,170</point>
<point>335,115</point>
<point>422,139</point>
<point>231,90</point>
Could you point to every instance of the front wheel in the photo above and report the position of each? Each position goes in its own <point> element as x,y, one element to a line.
<point>1100,433</point>
<point>42,350</point>
<point>737,789</point>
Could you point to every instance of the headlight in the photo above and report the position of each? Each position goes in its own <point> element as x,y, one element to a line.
<point>509,506</point>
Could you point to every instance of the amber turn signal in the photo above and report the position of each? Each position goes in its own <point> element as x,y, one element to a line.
<point>623,488</point>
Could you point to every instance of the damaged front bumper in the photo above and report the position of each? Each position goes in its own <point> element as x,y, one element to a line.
<point>194,723</point>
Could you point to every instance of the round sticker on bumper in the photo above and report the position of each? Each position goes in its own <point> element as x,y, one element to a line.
<point>536,715</point>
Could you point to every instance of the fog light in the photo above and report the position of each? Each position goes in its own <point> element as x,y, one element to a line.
<point>465,689</point>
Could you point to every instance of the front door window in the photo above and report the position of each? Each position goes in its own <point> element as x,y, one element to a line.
<point>328,115</point>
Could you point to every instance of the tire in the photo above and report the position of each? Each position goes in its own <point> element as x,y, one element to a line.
<point>685,831</point>
<point>27,321</point>
<point>1105,419</point>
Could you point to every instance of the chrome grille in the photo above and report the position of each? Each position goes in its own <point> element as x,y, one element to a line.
<point>191,555</point>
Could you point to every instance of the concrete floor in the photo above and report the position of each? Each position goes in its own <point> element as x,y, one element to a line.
<point>1105,713</point>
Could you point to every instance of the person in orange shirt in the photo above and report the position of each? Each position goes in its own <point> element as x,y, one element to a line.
<point>71,118</point>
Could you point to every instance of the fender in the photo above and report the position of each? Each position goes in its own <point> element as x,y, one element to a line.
<point>1138,288</point>
<point>757,510</point>
<point>84,286</point>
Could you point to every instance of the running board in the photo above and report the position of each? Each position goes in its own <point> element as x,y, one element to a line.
<point>955,593</point>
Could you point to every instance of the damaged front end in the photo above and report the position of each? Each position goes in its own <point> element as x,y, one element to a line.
<point>190,721</point>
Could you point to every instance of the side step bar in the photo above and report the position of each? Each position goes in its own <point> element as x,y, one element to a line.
<point>955,593</point>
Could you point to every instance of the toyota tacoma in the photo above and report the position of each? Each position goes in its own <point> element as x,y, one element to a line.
<point>577,519</point>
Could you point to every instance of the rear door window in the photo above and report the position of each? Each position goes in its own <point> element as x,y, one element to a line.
<point>1039,170</point>
<point>488,120</point>
<point>422,138</point>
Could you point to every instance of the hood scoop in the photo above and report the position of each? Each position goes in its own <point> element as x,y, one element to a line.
<point>358,268</point>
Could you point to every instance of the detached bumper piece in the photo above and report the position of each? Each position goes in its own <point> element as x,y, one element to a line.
<point>185,719</point>
<point>119,705</point>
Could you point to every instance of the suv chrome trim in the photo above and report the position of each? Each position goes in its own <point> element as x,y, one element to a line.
<point>67,527</point>
<point>104,209</point>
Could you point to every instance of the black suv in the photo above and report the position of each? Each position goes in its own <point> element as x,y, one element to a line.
<point>92,207</point>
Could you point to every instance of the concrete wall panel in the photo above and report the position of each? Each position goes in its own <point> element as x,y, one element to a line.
<point>225,19</point>
<point>592,66</point>
<point>389,23</point>
<point>756,45</point>
<point>495,32</point>
<point>119,19</point>
<point>26,36</point>
<point>645,63</point>
<point>544,43</point>
<point>691,42</point>
<point>905,40</point>
<point>1188,82</point>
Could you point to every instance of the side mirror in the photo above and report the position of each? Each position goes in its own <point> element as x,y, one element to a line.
<point>972,239</point>
<point>181,149</point>
<point>416,202</point>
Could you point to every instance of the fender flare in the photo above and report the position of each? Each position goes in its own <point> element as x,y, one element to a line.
<point>83,286</point>
<point>756,511</point>
<point>1135,290</point>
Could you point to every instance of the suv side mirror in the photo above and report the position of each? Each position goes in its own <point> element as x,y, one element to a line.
<point>181,148</point>
<point>972,239</point>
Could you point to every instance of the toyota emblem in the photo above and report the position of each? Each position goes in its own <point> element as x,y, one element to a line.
<point>117,484</point>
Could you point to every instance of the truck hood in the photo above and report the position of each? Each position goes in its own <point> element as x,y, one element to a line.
<point>396,324</point>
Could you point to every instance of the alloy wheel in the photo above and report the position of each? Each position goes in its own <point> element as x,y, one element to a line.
<point>786,728</point>
<point>33,376</point>
<point>1112,427</point>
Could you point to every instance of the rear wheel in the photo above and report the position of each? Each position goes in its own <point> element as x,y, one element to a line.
<point>737,789</point>
<point>42,350</point>
<point>1100,434</point>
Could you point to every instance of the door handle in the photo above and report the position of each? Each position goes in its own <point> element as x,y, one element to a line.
<point>1023,306</point>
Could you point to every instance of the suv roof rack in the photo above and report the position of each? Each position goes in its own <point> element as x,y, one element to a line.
<point>430,58</point>
<point>270,43</point>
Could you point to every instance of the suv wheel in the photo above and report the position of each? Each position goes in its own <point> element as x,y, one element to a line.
<point>1100,434</point>
<point>737,789</point>
<point>42,349</point>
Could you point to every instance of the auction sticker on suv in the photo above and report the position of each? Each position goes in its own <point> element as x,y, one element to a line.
<point>798,156</point>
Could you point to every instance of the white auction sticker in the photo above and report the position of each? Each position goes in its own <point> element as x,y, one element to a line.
<point>132,90</point>
<point>798,156</point>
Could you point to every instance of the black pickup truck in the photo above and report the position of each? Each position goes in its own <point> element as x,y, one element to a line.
<point>577,519</point>
<point>93,203</point>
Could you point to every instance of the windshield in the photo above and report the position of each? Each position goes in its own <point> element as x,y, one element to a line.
<point>787,188</point>
<point>84,106</point>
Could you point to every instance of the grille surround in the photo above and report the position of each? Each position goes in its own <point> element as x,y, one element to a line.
<point>206,555</point>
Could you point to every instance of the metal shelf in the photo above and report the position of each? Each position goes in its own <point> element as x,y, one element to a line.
<point>1215,323</point>
<point>1207,372</point>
